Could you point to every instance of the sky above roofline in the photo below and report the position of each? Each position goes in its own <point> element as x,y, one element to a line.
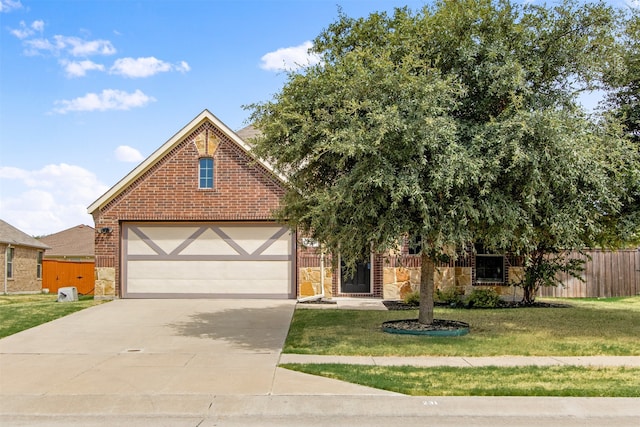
<point>89,89</point>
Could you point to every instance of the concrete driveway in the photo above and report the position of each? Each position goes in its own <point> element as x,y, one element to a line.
<point>153,356</point>
<point>150,347</point>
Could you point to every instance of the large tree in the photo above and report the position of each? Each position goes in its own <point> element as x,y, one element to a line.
<point>623,79</point>
<point>457,123</point>
<point>623,101</point>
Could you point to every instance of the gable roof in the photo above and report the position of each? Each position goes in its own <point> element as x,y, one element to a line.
<point>168,146</point>
<point>12,236</point>
<point>74,241</point>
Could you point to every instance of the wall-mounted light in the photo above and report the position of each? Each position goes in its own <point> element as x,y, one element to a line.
<point>105,230</point>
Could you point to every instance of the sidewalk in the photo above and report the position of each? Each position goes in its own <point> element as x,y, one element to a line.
<point>432,361</point>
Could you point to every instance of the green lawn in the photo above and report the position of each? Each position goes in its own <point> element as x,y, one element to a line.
<point>573,381</point>
<point>20,312</point>
<point>586,327</point>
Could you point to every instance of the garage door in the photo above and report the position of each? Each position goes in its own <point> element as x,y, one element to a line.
<point>207,260</point>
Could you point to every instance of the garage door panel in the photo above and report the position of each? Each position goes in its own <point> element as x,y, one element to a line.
<point>250,238</point>
<point>168,239</point>
<point>209,277</point>
<point>282,245</point>
<point>212,259</point>
<point>209,243</point>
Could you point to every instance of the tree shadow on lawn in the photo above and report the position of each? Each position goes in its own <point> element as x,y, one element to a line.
<point>253,329</point>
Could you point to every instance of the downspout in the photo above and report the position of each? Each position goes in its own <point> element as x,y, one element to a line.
<point>321,294</point>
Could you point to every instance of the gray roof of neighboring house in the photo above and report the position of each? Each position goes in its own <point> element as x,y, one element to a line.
<point>247,133</point>
<point>12,236</point>
<point>74,241</point>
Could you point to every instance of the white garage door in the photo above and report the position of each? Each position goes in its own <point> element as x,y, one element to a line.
<point>207,260</point>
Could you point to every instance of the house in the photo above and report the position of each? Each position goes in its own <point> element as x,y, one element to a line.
<point>195,220</point>
<point>70,261</point>
<point>21,260</point>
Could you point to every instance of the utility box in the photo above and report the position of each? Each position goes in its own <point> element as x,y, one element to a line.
<point>68,294</point>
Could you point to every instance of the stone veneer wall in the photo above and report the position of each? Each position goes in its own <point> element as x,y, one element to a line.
<point>398,282</point>
<point>310,283</point>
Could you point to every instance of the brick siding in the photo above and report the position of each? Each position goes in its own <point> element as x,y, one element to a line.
<point>169,191</point>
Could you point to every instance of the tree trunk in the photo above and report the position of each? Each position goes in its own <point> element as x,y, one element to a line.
<point>427,268</point>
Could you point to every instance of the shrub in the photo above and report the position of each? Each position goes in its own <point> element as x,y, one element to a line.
<point>412,298</point>
<point>451,296</point>
<point>483,298</point>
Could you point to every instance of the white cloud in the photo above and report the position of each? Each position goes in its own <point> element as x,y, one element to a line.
<point>183,67</point>
<point>109,99</point>
<point>633,3</point>
<point>145,67</point>
<point>73,46</point>
<point>27,31</point>
<point>50,199</point>
<point>80,68</point>
<point>9,5</point>
<point>38,25</point>
<point>124,153</point>
<point>290,58</point>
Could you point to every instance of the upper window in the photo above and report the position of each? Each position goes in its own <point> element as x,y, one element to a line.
<point>39,267</point>
<point>206,172</point>
<point>415,245</point>
<point>9,263</point>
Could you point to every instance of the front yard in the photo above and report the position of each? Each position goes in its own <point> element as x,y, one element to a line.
<point>584,327</point>
<point>20,312</point>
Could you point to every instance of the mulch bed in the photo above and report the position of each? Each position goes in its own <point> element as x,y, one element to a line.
<point>436,325</point>
<point>401,305</point>
<point>318,301</point>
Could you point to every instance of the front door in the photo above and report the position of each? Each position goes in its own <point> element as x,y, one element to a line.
<point>358,282</point>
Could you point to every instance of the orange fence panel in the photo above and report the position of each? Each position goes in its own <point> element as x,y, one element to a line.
<point>59,274</point>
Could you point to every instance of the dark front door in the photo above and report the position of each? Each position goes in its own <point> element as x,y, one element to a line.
<point>359,282</point>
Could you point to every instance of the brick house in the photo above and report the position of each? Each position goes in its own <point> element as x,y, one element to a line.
<point>195,220</point>
<point>20,261</point>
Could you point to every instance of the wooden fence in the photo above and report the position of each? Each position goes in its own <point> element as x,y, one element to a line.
<point>59,274</point>
<point>606,274</point>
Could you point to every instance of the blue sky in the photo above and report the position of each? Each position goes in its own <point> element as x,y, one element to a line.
<point>89,88</point>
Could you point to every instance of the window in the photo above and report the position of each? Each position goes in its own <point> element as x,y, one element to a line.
<point>206,172</point>
<point>415,245</point>
<point>489,267</point>
<point>9,263</point>
<point>39,267</point>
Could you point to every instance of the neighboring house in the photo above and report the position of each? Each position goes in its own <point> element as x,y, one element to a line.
<point>20,260</point>
<point>195,220</point>
<point>70,261</point>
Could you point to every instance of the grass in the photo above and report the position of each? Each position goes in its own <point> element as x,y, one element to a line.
<point>572,381</point>
<point>586,327</point>
<point>20,312</point>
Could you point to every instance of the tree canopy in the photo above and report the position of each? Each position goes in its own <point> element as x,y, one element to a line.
<point>457,123</point>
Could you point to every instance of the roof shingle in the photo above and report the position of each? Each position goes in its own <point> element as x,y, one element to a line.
<point>12,236</point>
<point>74,241</point>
